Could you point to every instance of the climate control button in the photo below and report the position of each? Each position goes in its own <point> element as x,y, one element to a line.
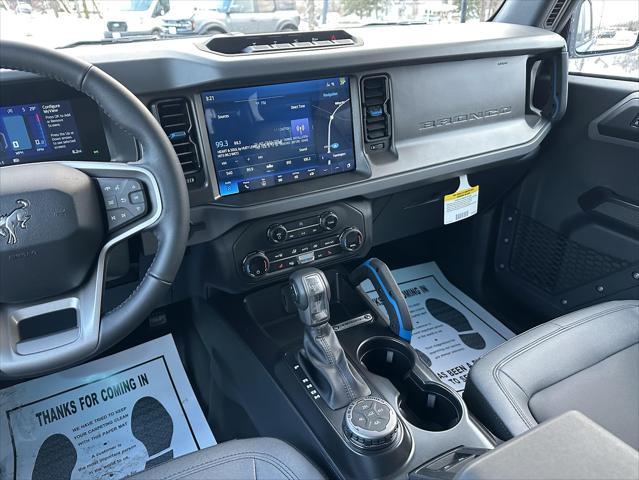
<point>255,264</point>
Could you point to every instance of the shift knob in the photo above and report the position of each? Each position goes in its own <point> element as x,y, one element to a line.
<point>311,294</point>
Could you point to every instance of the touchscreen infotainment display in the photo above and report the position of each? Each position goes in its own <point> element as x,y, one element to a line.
<point>276,134</point>
<point>68,129</point>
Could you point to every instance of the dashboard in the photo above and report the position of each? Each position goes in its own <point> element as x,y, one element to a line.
<point>311,155</point>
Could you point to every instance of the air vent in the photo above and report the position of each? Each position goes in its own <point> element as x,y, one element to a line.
<point>555,14</point>
<point>176,118</point>
<point>376,111</point>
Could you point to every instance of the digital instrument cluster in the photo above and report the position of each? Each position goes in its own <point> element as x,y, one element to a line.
<point>52,130</point>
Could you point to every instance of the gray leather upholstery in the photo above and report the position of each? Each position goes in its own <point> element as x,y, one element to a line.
<point>588,452</point>
<point>256,459</point>
<point>585,361</point>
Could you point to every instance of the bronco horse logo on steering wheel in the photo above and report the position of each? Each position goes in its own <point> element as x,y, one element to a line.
<point>9,223</point>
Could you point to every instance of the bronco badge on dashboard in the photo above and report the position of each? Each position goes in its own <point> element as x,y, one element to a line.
<point>10,222</point>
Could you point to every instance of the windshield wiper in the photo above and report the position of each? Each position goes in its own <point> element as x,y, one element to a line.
<point>108,41</point>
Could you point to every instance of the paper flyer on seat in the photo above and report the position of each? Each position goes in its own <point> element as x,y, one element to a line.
<point>108,418</point>
<point>451,329</point>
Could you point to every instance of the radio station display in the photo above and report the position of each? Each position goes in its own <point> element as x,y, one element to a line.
<point>277,134</point>
<point>48,130</point>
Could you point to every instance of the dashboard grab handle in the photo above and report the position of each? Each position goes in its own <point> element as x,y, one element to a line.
<point>390,295</point>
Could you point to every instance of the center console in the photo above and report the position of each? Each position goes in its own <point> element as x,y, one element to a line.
<point>401,421</point>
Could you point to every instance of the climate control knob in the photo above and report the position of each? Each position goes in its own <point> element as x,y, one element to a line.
<point>328,220</point>
<point>277,233</point>
<point>351,239</point>
<point>255,264</point>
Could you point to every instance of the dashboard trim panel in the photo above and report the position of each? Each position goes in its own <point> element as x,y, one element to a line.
<point>406,53</point>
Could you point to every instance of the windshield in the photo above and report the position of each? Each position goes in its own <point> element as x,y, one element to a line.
<point>60,23</point>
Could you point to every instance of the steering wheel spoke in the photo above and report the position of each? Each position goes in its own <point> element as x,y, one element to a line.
<point>29,340</point>
<point>23,355</point>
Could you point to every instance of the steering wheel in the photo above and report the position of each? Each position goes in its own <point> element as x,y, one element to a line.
<point>56,229</point>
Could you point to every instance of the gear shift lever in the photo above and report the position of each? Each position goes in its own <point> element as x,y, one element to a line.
<point>312,296</point>
<point>322,356</point>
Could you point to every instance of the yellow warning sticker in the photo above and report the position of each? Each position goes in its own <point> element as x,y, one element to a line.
<point>461,193</point>
<point>461,204</point>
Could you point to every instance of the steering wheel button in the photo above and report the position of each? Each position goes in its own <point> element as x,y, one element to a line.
<point>106,185</point>
<point>110,202</point>
<point>138,210</point>
<point>133,185</point>
<point>118,217</point>
<point>136,197</point>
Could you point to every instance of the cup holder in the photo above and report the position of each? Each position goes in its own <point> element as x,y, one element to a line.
<point>387,357</point>
<point>427,405</point>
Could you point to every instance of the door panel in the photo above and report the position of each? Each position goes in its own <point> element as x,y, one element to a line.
<point>569,234</point>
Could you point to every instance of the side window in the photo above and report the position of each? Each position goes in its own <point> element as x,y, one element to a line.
<point>242,6</point>
<point>285,4</point>
<point>604,38</point>
<point>161,8</point>
<point>265,6</point>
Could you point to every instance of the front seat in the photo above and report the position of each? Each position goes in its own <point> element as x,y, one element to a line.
<point>255,459</point>
<point>586,361</point>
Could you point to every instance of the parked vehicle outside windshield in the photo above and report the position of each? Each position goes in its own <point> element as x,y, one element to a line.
<point>59,23</point>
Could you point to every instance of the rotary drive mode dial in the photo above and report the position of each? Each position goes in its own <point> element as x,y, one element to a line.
<point>371,423</point>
